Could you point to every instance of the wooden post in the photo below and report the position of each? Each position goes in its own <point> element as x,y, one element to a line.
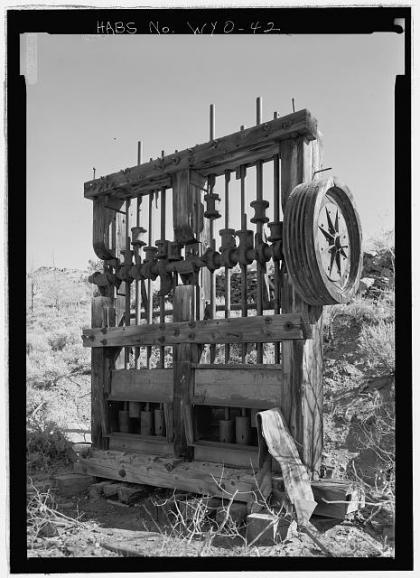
<point>188,219</point>
<point>120,293</point>
<point>103,361</point>
<point>186,188</point>
<point>184,356</point>
<point>302,360</point>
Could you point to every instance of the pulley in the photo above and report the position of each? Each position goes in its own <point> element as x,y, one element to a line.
<point>260,207</point>
<point>211,212</point>
<point>137,237</point>
<point>323,242</point>
<point>246,246</point>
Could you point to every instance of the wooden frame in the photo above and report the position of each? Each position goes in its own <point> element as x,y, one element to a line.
<point>293,383</point>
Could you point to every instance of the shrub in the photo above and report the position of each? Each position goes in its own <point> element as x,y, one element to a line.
<point>44,369</point>
<point>58,340</point>
<point>45,444</point>
<point>377,343</point>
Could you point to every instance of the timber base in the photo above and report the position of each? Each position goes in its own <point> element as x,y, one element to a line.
<point>170,472</point>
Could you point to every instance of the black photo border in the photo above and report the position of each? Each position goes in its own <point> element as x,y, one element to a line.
<point>295,21</point>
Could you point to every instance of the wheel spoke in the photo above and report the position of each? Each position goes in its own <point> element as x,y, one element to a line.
<point>332,259</point>
<point>343,252</point>
<point>327,235</point>
<point>330,225</point>
<point>338,261</point>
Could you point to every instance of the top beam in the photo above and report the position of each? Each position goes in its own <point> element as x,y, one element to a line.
<point>245,147</point>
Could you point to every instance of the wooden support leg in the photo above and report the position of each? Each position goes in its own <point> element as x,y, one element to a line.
<point>302,360</point>
<point>184,356</point>
<point>103,360</point>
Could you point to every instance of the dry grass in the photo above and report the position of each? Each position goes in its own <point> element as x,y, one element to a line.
<point>377,342</point>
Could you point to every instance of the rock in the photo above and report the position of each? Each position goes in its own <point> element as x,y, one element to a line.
<point>48,530</point>
<point>365,284</point>
<point>350,369</point>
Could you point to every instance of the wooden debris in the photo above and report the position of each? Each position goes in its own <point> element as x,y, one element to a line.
<point>116,503</point>
<point>110,489</point>
<point>348,497</point>
<point>95,490</point>
<point>262,529</point>
<point>72,483</point>
<point>130,543</point>
<point>131,494</point>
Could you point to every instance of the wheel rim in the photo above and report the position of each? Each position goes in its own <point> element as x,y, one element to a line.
<point>322,242</point>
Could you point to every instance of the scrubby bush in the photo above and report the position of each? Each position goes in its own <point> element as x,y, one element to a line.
<point>45,444</point>
<point>377,343</point>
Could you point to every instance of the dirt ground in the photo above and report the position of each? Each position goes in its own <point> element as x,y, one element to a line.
<point>85,526</point>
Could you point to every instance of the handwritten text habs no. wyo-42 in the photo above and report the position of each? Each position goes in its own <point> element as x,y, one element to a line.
<point>158,27</point>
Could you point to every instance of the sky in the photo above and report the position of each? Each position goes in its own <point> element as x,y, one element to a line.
<point>91,98</point>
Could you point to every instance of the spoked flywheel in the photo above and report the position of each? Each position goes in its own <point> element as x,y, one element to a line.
<point>322,242</point>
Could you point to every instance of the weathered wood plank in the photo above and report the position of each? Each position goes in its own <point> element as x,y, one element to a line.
<point>189,424</point>
<point>246,387</point>
<point>258,329</point>
<point>149,445</point>
<point>184,206</point>
<point>102,362</point>
<point>214,157</point>
<point>152,385</point>
<point>201,477</point>
<point>184,355</point>
<point>169,421</point>
<point>103,224</point>
<point>227,454</point>
<point>347,495</point>
<point>302,361</point>
<point>223,366</point>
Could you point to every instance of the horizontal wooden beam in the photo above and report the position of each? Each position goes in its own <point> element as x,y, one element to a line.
<point>245,147</point>
<point>205,478</point>
<point>226,454</point>
<point>245,387</point>
<point>154,445</point>
<point>150,385</point>
<point>224,366</point>
<point>257,329</point>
